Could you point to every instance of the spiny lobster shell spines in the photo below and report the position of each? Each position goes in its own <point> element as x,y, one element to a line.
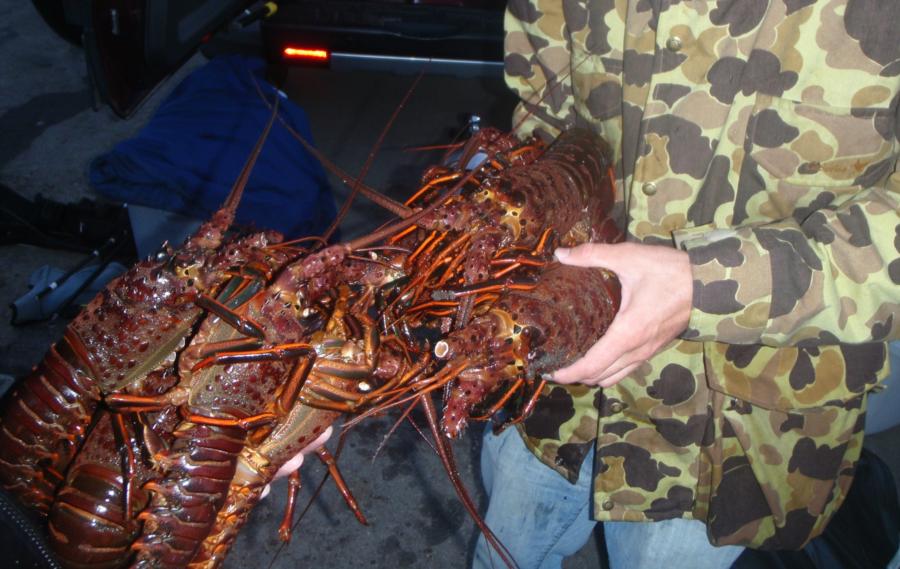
<point>510,219</point>
<point>568,189</point>
<point>527,334</point>
<point>133,327</point>
<point>232,378</point>
<point>248,365</point>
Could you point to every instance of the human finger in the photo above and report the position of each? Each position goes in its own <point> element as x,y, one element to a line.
<point>295,462</point>
<point>290,466</point>
<point>615,371</point>
<point>586,255</point>
<point>618,376</point>
<point>599,357</point>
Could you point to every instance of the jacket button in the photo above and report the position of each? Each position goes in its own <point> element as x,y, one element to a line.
<point>559,461</point>
<point>607,505</point>
<point>616,407</point>
<point>674,43</point>
<point>649,189</point>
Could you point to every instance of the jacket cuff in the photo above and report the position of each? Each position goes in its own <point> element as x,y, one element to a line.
<point>732,278</point>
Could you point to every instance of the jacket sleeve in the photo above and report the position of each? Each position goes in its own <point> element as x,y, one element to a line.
<point>834,277</point>
<point>536,68</point>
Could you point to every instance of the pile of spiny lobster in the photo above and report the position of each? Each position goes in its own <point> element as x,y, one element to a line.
<point>148,432</point>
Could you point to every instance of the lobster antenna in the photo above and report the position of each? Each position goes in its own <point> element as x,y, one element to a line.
<point>448,148</point>
<point>377,236</point>
<point>532,107</point>
<point>234,197</point>
<point>357,184</point>
<point>371,194</point>
<point>405,415</point>
<point>306,508</point>
<point>445,453</point>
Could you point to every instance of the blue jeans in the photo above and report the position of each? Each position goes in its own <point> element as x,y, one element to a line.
<point>541,519</point>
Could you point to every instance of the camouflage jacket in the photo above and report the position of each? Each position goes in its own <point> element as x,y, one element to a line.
<point>761,137</point>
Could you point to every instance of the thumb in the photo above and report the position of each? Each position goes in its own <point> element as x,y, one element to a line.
<point>586,255</point>
<point>293,464</point>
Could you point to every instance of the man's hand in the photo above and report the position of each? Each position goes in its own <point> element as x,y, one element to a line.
<point>297,461</point>
<point>657,290</point>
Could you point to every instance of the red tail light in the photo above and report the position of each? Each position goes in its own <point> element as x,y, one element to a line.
<point>307,53</point>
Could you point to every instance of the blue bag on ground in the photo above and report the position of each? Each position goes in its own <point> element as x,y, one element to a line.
<point>188,156</point>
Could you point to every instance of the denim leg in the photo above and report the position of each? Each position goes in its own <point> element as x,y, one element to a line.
<point>673,544</point>
<point>537,514</point>
<point>895,562</point>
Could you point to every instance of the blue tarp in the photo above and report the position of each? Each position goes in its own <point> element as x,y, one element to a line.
<point>190,153</point>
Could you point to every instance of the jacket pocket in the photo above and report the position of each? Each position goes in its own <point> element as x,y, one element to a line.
<point>794,379</point>
<point>800,156</point>
<point>816,145</point>
<point>789,427</point>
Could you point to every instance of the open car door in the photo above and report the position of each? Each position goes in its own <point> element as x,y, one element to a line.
<point>131,46</point>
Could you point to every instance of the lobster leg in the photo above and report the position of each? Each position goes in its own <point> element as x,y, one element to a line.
<point>527,408</point>
<point>275,353</point>
<point>284,530</point>
<point>483,287</point>
<point>422,246</point>
<point>129,462</point>
<point>245,424</point>
<point>237,345</point>
<point>533,260</point>
<point>515,264</point>
<point>431,184</point>
<point>244,326</point>
<point>499,404</point>
<point>123,402</point>
<point>338,406</point>
<point>432,304</point>
<point>328,459</point>
<point>295,383</point>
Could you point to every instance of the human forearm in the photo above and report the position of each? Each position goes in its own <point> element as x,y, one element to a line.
<point>835,277</point>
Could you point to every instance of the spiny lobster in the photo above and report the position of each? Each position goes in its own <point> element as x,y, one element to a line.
<point>125,338</point>
<point>291,342</point>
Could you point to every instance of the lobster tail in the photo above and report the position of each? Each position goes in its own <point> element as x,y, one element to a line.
<point>95,494</point>
<point>184,504</point>
<point>231,519</point>
<point>42,425</point>
<point>91,524</point>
